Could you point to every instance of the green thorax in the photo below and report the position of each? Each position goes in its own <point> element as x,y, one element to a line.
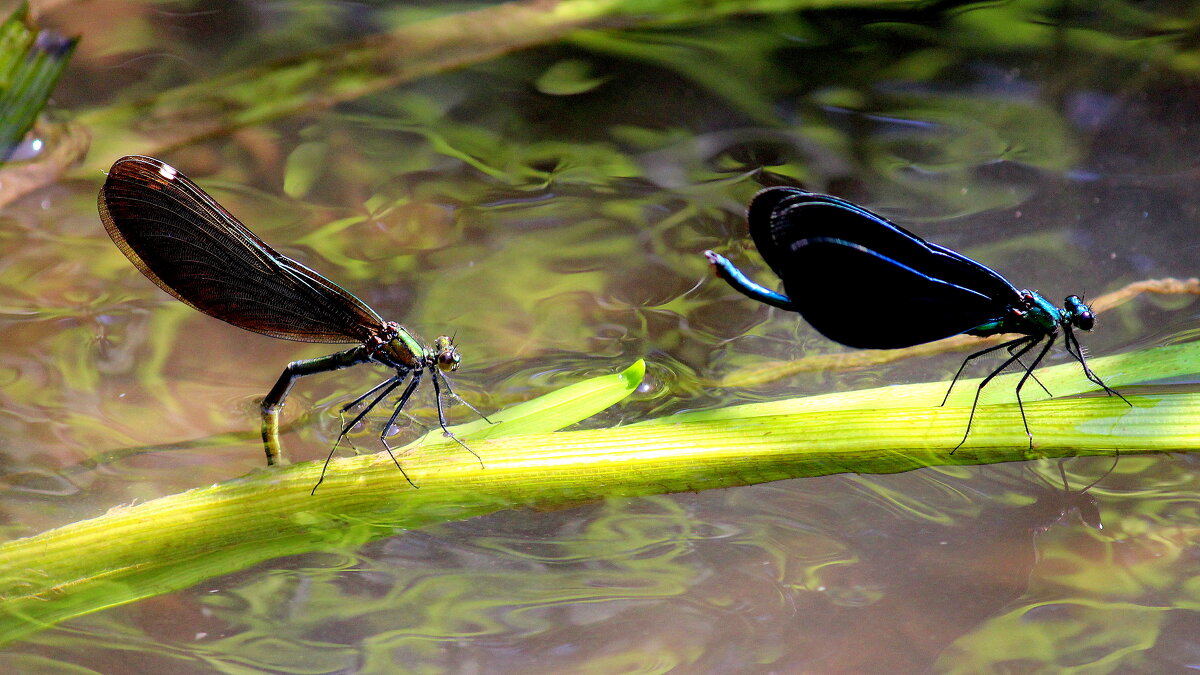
<point>399,347</point>
<point>1033,315</point>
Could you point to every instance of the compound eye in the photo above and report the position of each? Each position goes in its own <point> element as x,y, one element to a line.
<point>448,359</point>
<point>1085,320</point>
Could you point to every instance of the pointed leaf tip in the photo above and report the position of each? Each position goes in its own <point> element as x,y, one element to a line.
<point>634,374</point>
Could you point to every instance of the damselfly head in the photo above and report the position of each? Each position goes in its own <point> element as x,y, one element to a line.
<point>1078,313</point>
<point>447,354</point>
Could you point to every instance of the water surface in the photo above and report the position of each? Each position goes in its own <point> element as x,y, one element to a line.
<point>549,208</point>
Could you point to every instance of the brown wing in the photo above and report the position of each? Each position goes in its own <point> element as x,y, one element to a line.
<point>185,242</point>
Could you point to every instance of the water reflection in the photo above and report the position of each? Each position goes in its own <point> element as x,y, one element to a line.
<point>841,574</point>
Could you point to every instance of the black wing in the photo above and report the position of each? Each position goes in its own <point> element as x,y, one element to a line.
<point>185,242</point>
<point>865,282</point>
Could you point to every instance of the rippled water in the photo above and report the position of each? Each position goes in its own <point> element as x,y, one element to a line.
<point>549,207</point>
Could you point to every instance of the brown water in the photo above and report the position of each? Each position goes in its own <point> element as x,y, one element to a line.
<point>549,207</point>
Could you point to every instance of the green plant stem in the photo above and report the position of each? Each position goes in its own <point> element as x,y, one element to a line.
<point>177,541</point>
